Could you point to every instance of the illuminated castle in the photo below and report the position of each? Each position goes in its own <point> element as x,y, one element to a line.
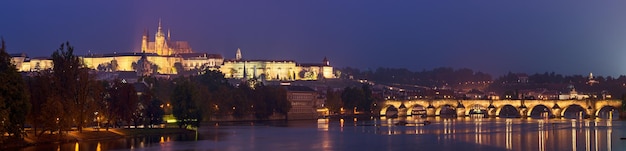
<point>163,46</point>
<point>164,56</point>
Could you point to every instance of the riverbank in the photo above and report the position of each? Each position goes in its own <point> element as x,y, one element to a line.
<point>87,135</point>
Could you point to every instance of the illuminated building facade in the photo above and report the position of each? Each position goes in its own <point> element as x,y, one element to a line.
<point>162,45</point>
<point>164,56</point>
<point>303,101</point>
<point>275,70</point>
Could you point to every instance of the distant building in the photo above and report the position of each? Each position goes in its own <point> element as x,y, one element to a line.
<point>592,81</point>
<point>475,94</point>
<point>163,46</point>
<point>522,78</point>
<point>275,70</point>
<point>303,102</point>
<point>573,95</point>
<point>538,94</point>
<point>24,64</point>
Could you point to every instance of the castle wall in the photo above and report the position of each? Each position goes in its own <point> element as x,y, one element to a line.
<point>273,70</point>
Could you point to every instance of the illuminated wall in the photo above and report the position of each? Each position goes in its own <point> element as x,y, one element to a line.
<point>196,63</point>
<point>271,70</point>
<point>302,104</point>
<point>35,64</point>
<point>274,70</point>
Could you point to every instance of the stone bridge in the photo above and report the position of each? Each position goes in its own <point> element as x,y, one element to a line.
<point>505,108</point>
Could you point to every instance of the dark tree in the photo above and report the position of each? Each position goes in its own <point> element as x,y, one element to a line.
<point>14,98</point>
<point>354,98</point>
<point>333,101</point>
<point>368,101</point>
<point>185,107</point>
<point>121,103</point>
<point>74,87</point>
<point>154,112</point>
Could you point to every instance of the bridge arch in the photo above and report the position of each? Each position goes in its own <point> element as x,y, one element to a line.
<point>446,110</point>
<point>476,109</point>
<point>416,110</point>
<point>598,108</point>
<point>607,112</point>
<point>574,111</point>
<point>383,110</point>
<point>540,111</point>
<point>508,111</point>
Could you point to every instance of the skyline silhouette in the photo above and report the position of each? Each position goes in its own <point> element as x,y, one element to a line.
<point>573,37</point>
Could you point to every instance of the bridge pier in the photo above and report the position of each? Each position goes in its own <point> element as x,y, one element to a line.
<point>430,111</point>
<point>556,112</point>
<point>460,109</point>
<point>491,111</point>
<point>522,112</point>
<point>460,112</point>
<point>591,113</point>
<point>402,112</point>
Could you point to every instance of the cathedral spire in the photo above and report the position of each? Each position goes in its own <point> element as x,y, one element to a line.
<point>159,24</point>
<point>238,55</point>
<point>168,34</point>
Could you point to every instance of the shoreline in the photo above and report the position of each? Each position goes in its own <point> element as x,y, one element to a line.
<point>88,134</point>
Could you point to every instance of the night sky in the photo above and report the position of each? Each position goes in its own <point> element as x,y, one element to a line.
<point>564,36</point>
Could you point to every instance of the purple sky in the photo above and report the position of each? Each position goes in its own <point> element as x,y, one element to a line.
<point>569,36</point>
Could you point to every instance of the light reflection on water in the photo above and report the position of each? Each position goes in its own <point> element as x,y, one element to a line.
<point>385,134</point>
<point>508,134</point>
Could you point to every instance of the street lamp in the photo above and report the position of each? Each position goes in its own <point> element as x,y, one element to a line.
<point>97,120</point>
<point>58,126</point>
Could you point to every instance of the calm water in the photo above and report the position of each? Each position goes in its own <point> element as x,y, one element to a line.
<point>383,134</point>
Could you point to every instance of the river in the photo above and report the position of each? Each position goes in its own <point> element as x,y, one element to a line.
<point>382,134</point>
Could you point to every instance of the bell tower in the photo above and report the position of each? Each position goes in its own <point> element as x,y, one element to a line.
<point>159,41</point>
<point>326,62</point>
<point>238,55</point>
<point>144,41</point>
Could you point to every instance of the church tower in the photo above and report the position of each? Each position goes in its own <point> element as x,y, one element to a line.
<point>326,62</point>
<point>160,44</point>
<point>238,55</point>
<point>168,35</point>
<point>144,41</point>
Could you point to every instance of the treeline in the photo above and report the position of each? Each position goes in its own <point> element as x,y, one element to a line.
<point>198,98</point>
<point>351,100</point>
<point>553,81</point>
<point>14,101</point>
<point>508,83</point>
<point>435,77</point>
<point>69,97</point>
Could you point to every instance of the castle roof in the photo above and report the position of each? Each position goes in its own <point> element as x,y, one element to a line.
<point>200,55</point>
<point>119,54</point>
<point>312,64</point>
<point>19,55</point>
<point>258,60</point>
